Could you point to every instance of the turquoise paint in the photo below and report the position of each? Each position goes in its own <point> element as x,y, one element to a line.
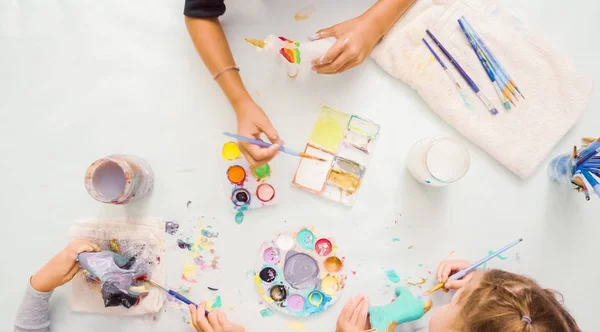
<point>395,239</point>
<point>393,276</point>
<point>405,308</point>
<point>484,267</point>
<point>239,217</point>
<point>306,239</point>
<point>267,312</point>
<point>499,256</point>
<point>217,304</point>
<point>465,100</point>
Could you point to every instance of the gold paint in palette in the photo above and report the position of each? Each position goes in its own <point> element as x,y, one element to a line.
<point>346,142</point>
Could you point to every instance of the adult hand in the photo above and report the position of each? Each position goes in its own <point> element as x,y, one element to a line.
<point>62,268</point>
<point>216,321</point>
<point>355,40</point>
<point>354,316</point>
<point>448,268</point>
<point>252,121</point>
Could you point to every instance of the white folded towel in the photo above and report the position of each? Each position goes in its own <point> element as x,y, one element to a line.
<point>521,138</point>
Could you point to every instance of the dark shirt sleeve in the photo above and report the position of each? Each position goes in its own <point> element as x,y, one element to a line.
<point>204,8</point>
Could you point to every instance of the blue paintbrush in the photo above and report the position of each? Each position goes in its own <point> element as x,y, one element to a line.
<point>475,265</point>
<point>486,65</point>
<point>266,145</point>
<point>589,151</point>
<point>464,74</point>
<point>591,180</point>
<point>511,85</point>
<point>446,70</point>
<point>175,294</point>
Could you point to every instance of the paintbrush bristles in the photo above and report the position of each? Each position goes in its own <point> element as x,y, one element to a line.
<point>435,288</point>
<point>307,156</point>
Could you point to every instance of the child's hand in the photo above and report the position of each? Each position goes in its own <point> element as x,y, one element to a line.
<point>252,121</point>
<point>215,322</point>
<point>355,38</point>
<point>62,268</point>
<point>354,316</point>
<point>448,268</point>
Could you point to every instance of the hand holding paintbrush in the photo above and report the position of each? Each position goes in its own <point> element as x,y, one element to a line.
<point>266,145</point>
<point>445,270</point>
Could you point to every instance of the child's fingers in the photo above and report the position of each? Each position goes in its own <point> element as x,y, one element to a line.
<point>362,315</point>
<point>346,313</point>
<point>457,284</point>
<point>445,272</point>
<point>260,154</point>
<point>213,319</point>
<point>223,321</point>
<point>201,320</point>
<point>193,315</point>
<point>356,312</point>
<point>72,272</point>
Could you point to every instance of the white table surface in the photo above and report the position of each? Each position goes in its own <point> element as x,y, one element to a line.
<point>80,80</point>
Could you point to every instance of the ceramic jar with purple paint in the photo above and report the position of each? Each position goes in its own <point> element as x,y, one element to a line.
<point>119,179</point>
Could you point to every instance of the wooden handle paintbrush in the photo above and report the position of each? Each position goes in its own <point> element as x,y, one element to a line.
<point>475,265</point>
<point>266,145</point>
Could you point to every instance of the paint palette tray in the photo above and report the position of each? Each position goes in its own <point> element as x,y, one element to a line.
<point>346,142</point>
<point>246,188</point>
<point>299,273</point>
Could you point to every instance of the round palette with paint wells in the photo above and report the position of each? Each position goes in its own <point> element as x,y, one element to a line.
<point>299,274</point>
<point>247,188</point>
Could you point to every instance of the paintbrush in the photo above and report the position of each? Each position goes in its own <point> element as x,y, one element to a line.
<point>266,145</point>
<point>174,294</point>
<point>464,74</point>
<point>446,70</point>
<point>512,85</point>
<point>475,265</point>
<point>502,94</point>
<point>589,151</point>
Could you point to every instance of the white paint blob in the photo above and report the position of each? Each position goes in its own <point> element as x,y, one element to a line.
<point>285,242</point>
<point>109,180</point>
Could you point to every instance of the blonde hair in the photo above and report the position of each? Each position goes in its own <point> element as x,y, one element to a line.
<point>508,302</point>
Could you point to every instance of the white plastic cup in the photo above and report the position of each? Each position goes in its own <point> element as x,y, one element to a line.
<point>438,161</point>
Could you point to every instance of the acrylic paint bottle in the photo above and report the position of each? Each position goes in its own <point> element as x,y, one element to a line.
<point>438,161</point>
<point>295,56</point>
<point>119,179</point>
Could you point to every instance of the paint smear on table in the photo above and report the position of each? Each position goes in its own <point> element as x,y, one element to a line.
<point>267,312</point>
<point>188,273</point>
<point>416,283</point>
<point>296,326</point>
<point>395,239</point>
<point>171,227</point>
<point>484,267</point>
<point>499,256</point>
<point>305,13</point>
<point>392,276</point>
<point>201,251</point>
<point>216,304</point>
